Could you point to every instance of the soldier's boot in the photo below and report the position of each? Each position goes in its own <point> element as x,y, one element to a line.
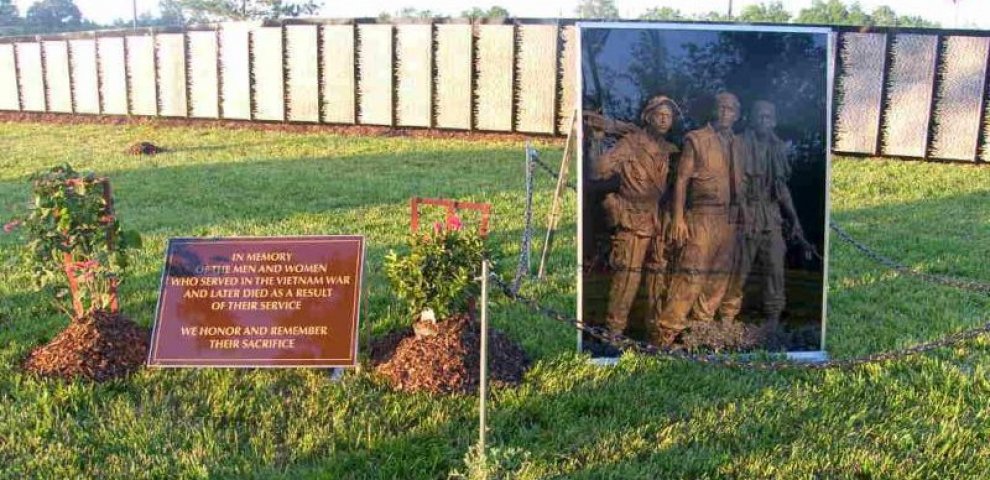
<point>664,337</point>
<point>616,325</point>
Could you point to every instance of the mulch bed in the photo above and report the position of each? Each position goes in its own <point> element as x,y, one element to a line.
<point>351,130</point>
<point>99,347</point>
<point>447,362</point>
<point>741,337</point>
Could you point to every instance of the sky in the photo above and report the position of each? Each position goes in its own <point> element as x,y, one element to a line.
<point>971,13</point>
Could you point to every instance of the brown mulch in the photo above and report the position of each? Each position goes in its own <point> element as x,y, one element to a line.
<point>145,148</point>
<point>733,336</point>
<point>448,362</point>
<point>99,347</point>
<point>344,130</point>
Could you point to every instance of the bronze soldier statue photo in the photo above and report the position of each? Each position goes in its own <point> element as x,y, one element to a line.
<point>690,232</point>
<point>766,202</point>
<point>704,221</point>
<point>640,161</point>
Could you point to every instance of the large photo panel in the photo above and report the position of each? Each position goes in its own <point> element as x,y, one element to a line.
<point>703,178</point>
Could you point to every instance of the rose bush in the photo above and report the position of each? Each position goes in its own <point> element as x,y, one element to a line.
<point>73,239</point>
<point>439,269</point>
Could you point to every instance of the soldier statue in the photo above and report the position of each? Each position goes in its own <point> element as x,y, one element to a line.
<point>766,200</point>
<point>640,161</point>
<point>705,217</point>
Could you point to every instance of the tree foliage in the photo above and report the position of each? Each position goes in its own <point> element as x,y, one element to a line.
<point>201,11</point>
<point>477,13</point>
<point>662,13</point>
<point>835,12</point>
<point>773,12</point>
<point>54,15</point>
<point>9,15</point>
<point>824,12</point>
<point>604,9</point>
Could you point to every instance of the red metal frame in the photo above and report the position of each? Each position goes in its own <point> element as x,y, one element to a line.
<point>68,264</point>
<point>452,206</point>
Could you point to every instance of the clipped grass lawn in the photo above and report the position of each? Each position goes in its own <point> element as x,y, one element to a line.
<point>646,418</point>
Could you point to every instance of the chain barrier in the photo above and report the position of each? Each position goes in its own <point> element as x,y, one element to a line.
<point>961,283</point>
<point>774,363</point>
<point>550,171</point>
<point>525,249</point>
<point>625,343</point>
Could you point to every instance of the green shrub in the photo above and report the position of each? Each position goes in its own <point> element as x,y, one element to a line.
<point>439,270</point>
<point>73,234</point>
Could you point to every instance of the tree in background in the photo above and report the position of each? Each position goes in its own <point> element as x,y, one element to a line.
<point>773,12</point>
<point>884,16</point>
<point>597,9</point>
<point>662,13</point>
<point>9,15</point>
<point>54,15</point>
<point>830,12</point>
<point>835,12</point>
<point>171,13</point>
<point>476,13</point>
<point>203,11</point>
<point>409,12</point>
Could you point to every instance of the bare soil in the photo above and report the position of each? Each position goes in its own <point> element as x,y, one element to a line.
<point>99,347</point>
<point>145,148</point>
<point>447,362</point>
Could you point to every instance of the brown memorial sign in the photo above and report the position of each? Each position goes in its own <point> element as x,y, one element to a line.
<point>259,302</point>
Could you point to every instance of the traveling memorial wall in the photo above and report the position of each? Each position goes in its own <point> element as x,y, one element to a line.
<point>453,78</point>
<point>141,75</point>
<point>56,55</point>
<point>414,74</point>
<point>113,75</point>
<point>703,184</point>
<point>909,95</point>
<point>339,103</point>
<point>303,82</point>
<point>171,53</point>
<point>85,77</point>
<point>266,66</point>
<point>235,70</point>
<point>375,83</point>
<point>204,88</point>
<point>958,99</point>
<point>495,65</point>
<point>8,79</point>
<point>30,76</point>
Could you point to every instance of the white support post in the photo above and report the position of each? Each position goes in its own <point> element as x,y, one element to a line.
<point>483,384</point>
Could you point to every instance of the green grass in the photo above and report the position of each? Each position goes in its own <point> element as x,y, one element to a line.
<point>923,417</point>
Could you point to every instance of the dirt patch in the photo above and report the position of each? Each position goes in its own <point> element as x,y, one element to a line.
<point>145,148</point>
<point>99,347</point>
<point>344,130</point>
<point>448,362</point>
<point>741,337</point>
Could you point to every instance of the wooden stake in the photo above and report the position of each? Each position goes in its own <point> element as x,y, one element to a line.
<point>554,216</point>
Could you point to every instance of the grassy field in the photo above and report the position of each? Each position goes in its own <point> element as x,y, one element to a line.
<point>924,417</point>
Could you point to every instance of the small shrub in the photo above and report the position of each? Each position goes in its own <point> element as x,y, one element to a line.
<point>500,463</point>
<point>74,236</point>
<point>439,270</point>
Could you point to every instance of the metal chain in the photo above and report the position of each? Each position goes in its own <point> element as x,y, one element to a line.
<point>625,343</point>
<point>965,284</point>
<point>549,170</point>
